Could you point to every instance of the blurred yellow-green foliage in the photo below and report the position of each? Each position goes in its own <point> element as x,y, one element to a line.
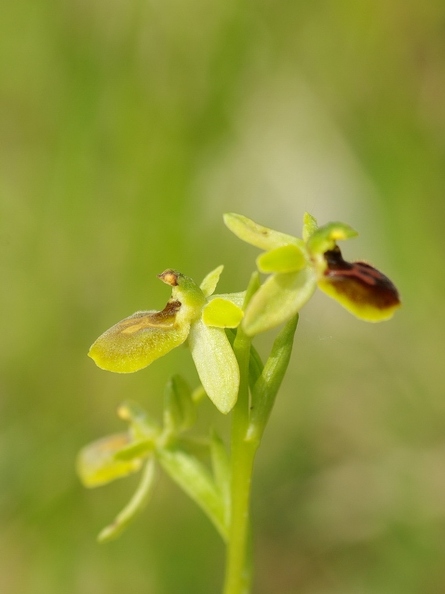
<point>127,129</point>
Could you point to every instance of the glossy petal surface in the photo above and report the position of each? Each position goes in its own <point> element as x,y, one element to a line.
<point>222,313</point>
<point>287,258</point>
<point>360,288</point>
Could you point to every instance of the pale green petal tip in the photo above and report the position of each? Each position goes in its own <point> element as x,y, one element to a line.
<point>287,258</point>
<point>222,313</point>
<point>309,225</point>
<point>325,238</point>
<point>255,234</point>
<point>210,282</point>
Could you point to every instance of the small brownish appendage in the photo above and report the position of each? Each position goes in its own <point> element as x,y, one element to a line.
<point>169,277</point>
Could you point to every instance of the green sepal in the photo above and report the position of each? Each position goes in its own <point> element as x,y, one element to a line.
<point>179,408</point>
<point>257,235</point>
<point>209,283</point>
<point>325,238</point>
<point>216,365</point>
<point>221,313</point>
<point>286,258</point>
<point>134,506</point>
<point>97,464</point>
<point>278,300</point>
<point>309,226</point>
<point>195,480</point>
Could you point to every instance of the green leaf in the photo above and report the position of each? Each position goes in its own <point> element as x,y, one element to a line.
<point>255,366</point>
<point>216,365</point>
<point>278,300</point>
<point>179,408</point>
<point>221,313</point>
<point>287,258</point>
<point>195,479</point>
<point>208,285</point>
<point>257,235</point>
<point>134,507</point>
<point>97,464</point>
<point>266,387</point>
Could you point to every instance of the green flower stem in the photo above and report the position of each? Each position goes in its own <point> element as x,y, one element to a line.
<point>238,567</point>
<point>238,564</point>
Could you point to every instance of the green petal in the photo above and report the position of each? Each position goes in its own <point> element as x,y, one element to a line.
<point>236,298</point>
<point>325,238</point>
<point>257,235</point>
<point>216,365</point>
<point>96,463</point>
<point>138,340</point>
<point>309,225</point>
<point>208,285</point>
<point>280,298</point>
<point>287,258</point>
<point>221,313</point>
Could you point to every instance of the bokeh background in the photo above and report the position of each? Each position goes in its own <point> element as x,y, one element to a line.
<point>127,129</point>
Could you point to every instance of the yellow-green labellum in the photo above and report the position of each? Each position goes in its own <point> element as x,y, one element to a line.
<point>97,465</point>
<point>138,340</point>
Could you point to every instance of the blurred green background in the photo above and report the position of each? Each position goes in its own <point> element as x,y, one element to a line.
<point>127,129</point>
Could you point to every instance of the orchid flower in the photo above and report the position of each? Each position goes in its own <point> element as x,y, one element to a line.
<point>297,266</point>
<point>192,313</point>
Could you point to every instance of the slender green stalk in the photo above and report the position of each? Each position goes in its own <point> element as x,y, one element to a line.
<point>238,569</point>
<point>238,563</point>
<point>247,428</point>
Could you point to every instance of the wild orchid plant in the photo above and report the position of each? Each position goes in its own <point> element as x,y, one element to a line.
<point>219,330</point>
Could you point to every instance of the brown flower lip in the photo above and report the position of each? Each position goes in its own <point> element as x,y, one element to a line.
<point>360,281</point>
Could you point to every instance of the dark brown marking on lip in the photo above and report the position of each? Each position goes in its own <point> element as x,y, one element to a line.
<point>360,281</point>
